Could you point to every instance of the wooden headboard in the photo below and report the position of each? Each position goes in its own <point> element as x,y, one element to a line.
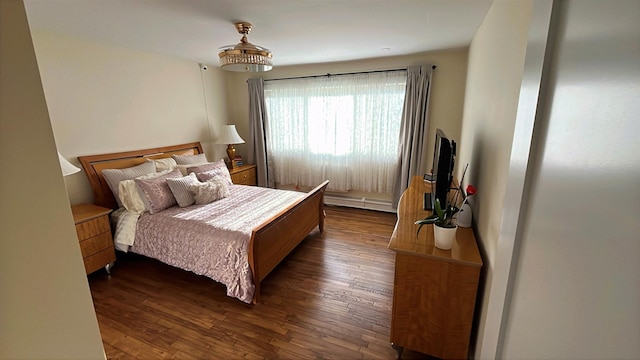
<point>94,164</point>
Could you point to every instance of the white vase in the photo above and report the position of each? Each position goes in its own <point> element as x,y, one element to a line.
<point>444,237</point>
<point>464,216</point>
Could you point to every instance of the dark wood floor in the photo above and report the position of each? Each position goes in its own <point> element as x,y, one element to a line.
<point>329,299</point>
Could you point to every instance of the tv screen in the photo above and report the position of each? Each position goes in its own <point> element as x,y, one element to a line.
<point>444,155</point>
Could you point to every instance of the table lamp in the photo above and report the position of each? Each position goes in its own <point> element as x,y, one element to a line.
<point>229,135</point>
<point>67,167</point>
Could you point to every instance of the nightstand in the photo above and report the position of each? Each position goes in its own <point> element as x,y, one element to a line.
<point>94,235</point>
<point>244,175</point>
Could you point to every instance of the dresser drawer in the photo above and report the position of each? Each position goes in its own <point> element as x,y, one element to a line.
<point>95,244</point>
<point>93,227</point>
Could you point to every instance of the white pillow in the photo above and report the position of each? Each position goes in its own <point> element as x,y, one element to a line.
<point>164,164</point>
<point>210,191</point>
<point>129,195</point>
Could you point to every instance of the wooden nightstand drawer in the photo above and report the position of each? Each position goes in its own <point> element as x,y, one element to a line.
<point>94,235</point>
<point>93,245</point>
<point>244,178</point>
<point>91,228</point>
<point>244,175</point>
<point>98,260</point>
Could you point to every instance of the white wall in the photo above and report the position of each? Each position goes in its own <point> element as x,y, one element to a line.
<point>104,98</point>
<point>576,292</point>
<point>46,310</point>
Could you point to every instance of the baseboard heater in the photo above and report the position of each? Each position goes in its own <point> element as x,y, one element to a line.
<point>361,203</point>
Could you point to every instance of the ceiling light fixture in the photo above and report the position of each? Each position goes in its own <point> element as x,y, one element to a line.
<point>245,56</point>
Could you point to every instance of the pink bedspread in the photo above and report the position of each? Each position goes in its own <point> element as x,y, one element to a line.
<point>212,239</point>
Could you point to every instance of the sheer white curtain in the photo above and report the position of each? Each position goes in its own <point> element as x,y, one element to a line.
<point>344,128</point>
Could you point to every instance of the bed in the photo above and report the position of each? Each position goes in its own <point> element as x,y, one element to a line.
<point>268,242</point>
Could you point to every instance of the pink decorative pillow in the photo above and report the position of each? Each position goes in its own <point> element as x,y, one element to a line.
<point>211,170</point>
<point>130,196</point>
<point>155,192</point>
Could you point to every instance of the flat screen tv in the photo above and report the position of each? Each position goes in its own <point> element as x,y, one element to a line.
<point>444,156</point>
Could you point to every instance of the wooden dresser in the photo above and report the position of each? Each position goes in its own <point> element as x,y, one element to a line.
<point>244,175</point>
<point>94,234</point>
<point>434,290</point>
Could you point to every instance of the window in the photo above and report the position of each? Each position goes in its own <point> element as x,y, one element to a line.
<point>344,128</point>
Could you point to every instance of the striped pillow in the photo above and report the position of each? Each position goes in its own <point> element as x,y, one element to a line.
<point>114,176</point>
<point>180,189</point>
<point>190,159</point>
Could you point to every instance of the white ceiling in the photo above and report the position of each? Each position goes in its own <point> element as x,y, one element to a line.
<point>296,31</point>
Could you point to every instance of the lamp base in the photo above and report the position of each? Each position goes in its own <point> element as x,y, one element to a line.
<point>231,153</point>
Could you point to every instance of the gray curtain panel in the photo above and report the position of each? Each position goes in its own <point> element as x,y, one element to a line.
<point>413,127</point>
<point>257,143</point>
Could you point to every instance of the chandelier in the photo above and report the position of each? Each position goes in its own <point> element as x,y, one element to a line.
<point>245,56</point>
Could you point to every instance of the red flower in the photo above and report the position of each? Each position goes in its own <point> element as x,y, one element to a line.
<point>470,190</point>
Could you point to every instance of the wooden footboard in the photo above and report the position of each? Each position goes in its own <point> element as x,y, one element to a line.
<point>272,241</point>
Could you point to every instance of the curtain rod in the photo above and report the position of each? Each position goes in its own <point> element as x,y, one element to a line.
<point>350,73</point>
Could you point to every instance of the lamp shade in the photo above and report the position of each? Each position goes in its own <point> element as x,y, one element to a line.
<point>229,135</point>
<point>67,167</point>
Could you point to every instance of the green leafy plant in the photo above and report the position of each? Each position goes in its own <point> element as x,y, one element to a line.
<point>440,217</point>
<point>446,217</point>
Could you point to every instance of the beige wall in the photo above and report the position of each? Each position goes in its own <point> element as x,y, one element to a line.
<point>46,310</point>
<point>496,62</point>
<point>447,96</point>
<point>103,98</point>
